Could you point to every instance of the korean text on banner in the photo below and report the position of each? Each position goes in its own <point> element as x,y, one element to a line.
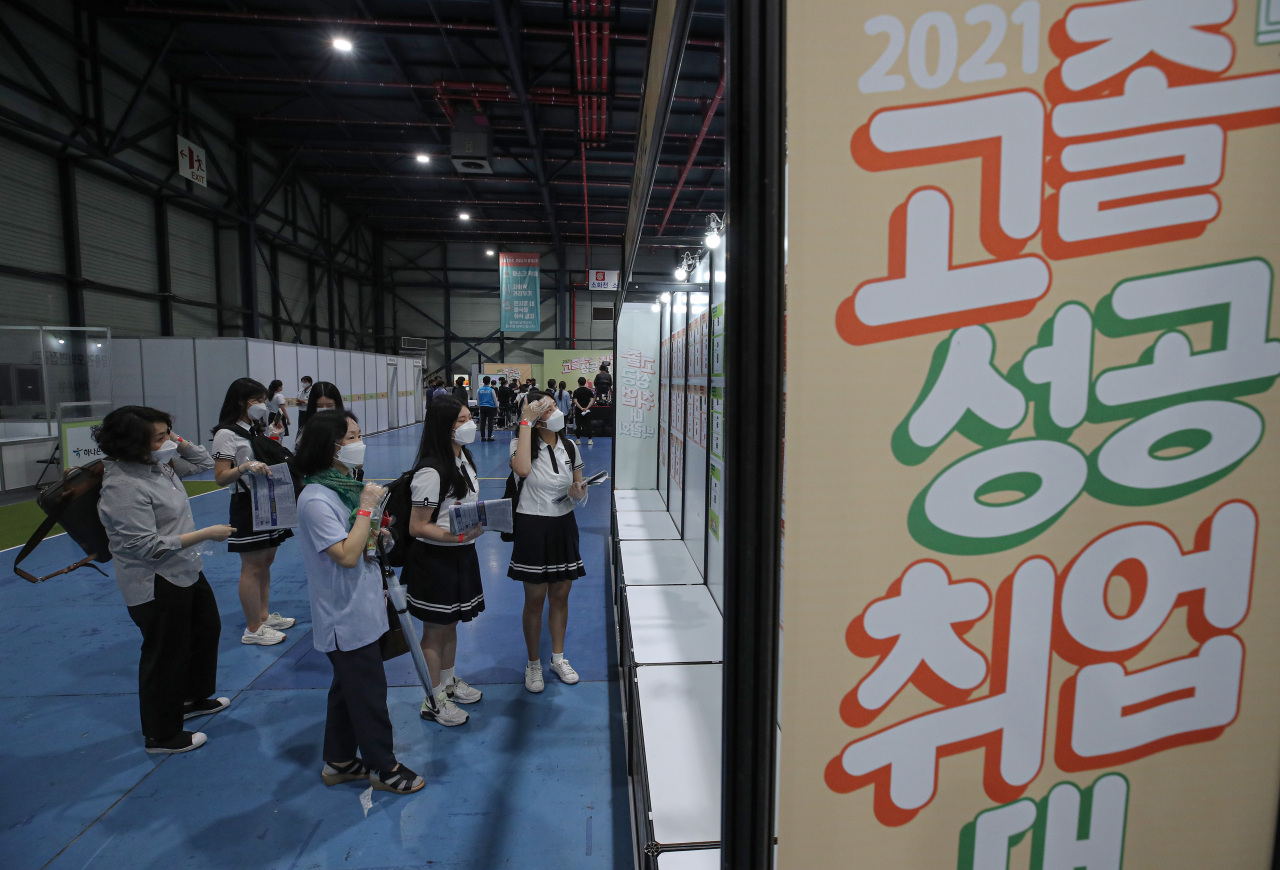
<point>1042,238</point>
<point>520,282</point>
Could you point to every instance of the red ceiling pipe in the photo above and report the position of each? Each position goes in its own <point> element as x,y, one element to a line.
<point>693,152</point>
<point>586,216</point>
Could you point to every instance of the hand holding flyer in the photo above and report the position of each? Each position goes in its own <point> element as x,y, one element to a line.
<point>494,514</point>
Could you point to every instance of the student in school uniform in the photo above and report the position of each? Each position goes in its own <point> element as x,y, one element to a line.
<point>244,414</point>
<point>442,570</point>
<point>277,405</point>
<point>487,404</point>
<point>303,395</point>
<point>546,556</point>
<point>347,605</point>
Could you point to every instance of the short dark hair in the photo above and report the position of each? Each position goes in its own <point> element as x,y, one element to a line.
<point>502,379</point>
<point>582,382</point>
<point>324,390</point>
<point>317,443</point>
<point>604,367</point>
<point>307,378</point>
<point>127,432</point>
<point>460,381</point>
<point>486,380</point>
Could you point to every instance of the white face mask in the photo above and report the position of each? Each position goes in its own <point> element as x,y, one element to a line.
<point>556,421</point>
<point>466,433</point>
<point>352,455</point>
<point>165,453</point>
<point>259,413</point>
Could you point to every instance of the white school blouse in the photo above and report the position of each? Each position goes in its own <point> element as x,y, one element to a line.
<point>425,493</point>
<point>545,483</point>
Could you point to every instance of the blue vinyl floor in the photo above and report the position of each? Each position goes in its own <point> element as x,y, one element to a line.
<point>532,781</point>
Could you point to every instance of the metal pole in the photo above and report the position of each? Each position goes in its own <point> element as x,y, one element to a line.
<point>71,242</point>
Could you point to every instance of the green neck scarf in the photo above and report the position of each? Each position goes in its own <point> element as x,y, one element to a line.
<point>347,488</point>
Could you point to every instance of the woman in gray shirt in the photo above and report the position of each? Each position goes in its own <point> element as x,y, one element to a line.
<point>147,516</point>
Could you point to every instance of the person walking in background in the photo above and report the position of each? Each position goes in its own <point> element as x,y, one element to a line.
<point>303,396</point>
<point>277,405</point>
<point>460,391</point>
<point>348,610</point>
<point>442,569</point>
<point>487,401</point>
<point>546,555</point>
<point>150,532</point>
<point>505,403</point>
<point>604,384</point>
<point>583,401</point>
<point>244,415</point>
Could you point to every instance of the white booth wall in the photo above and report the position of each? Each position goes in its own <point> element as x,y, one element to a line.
<point>189,378</point>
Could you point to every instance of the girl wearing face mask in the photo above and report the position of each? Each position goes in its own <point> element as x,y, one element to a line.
<point>147,516</point>
<point>244,413</point>
<point>546,556</point>
<point>442,571</point>
<point>335,515</point>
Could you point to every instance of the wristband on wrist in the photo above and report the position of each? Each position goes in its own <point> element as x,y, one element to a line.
<point>364,513</point>
<point>461,537</point>
<point>526,423</point>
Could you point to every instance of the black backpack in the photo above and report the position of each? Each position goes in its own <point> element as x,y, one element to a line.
<point>72,502</point>
<point>400,506</point>
<point>270,451</point>
<point>515,483</point>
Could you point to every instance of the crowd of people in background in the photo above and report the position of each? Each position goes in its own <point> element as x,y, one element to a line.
<point>159,567</point>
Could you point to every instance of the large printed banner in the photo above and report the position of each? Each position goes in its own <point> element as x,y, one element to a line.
<point>1031,585</point>
<point>520,285</point>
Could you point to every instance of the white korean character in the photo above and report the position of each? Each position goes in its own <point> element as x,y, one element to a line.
<point>1058,371</point>
<point>962,390</point>
<point>953,515</point>
<point>1123,34</point>
<point>630,397</point>
<point>646,365</point>
<point>917,632</point>
<point>1127,209</point>
<point>567,368</point>
<point>632,358</point>
<point>925,293</point>
<point>902,760</point>
<point>1234,297</point>
<point>1112,716</point>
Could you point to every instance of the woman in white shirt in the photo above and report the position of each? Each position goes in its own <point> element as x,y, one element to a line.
<point>278,405</point>
<point>348,608</point>
<point>442,570</point>
<point>244,414</point>
<point>546,557</point>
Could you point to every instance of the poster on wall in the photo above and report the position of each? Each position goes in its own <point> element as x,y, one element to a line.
<point>513,372</point>
<point>520,283</point>
<point>1030,587</point>
<point>569,365</point>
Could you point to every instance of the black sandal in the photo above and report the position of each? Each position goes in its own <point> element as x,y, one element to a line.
<point>402,780</point>
<point>333,774</point>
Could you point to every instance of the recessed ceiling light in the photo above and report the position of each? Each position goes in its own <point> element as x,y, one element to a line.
<point>463,216</point>
<point>488,253</point>
<point>423,158</point>
<point>342,44</point>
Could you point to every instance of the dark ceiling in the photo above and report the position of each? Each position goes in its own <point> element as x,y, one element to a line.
<point>354,122</point>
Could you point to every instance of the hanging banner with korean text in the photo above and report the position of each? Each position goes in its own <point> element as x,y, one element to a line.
<point>520,283</point>
<point>636,390</point>
<point>1031,592</point>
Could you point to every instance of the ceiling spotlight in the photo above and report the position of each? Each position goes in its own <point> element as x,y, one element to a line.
<point>488,253</point>
<point>342,44</point>
<point>664,298</point>
<point>715,227</point>
<point>422,158</point>
<point>463,216</point>
<point>688,262</point>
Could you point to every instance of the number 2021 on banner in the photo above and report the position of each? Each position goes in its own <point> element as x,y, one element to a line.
<point>931,71</point>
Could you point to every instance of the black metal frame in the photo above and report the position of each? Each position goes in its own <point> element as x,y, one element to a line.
<point>753,426</point>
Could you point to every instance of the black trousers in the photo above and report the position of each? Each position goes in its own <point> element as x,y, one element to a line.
<point>487,416</point>
<point>358,717</point>
<point>179,659</point>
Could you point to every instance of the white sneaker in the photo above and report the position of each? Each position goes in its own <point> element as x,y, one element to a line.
<point>264,636</point>
<point>591,442</point>
<point>280,623</point>
<point>533,677</point>
<point>446,713</point>
<point>565,672</point>
<point>461,692</point>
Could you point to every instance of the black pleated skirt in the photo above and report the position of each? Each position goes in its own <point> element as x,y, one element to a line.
<point>244,539</point>
<point>546,549</point>
<point>443,583</point>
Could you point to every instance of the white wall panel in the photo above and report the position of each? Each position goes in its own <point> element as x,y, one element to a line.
<point>126,372</point>
<point>169,381</point>
<point>117,233</point>
<point>287,371</point>
<point>326,364</point>
<point>30,213</point>
<point>262,360</point>
<point>307,363</point>
<point>219,361</point>
<point>384,399</point>
<point>356,388</point>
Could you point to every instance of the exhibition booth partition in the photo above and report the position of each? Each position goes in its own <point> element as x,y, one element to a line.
<point>668,562</point>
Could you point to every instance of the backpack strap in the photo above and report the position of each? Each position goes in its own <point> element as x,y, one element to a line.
<point>34,541</point>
